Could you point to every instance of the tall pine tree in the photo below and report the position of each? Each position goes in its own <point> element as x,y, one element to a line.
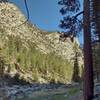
<point>73,26</point>
<point>88,63</point>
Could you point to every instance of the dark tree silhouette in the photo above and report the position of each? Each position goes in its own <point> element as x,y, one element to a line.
<point>1,67</point>
<point>95,8</point>
<point>76,77</point>
<point>95,24</point>
<point>71,23</point>
<point>73,26</point>
<point>88,63</point>
<point>76,72</point>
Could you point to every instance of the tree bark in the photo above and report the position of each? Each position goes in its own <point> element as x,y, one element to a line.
<point>88,61</point>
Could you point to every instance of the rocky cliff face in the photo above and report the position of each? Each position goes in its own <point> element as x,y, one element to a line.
<point>12,25</point>
<point>10,21</point>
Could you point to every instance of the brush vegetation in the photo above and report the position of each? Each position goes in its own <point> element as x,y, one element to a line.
<point>48,67</point>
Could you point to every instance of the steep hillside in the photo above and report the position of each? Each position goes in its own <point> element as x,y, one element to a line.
<point>36,52</point>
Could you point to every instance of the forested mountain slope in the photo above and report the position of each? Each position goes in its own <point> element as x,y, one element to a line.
<point>34,53</point>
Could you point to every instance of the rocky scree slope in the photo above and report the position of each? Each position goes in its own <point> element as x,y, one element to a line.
<point>14,36</point>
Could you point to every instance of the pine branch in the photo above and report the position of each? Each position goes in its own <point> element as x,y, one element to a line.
<point>78,14</point>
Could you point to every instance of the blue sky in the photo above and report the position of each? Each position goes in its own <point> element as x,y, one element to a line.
<point>44,13</point>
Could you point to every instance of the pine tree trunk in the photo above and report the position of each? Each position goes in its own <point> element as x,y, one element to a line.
<point>88,63</point>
